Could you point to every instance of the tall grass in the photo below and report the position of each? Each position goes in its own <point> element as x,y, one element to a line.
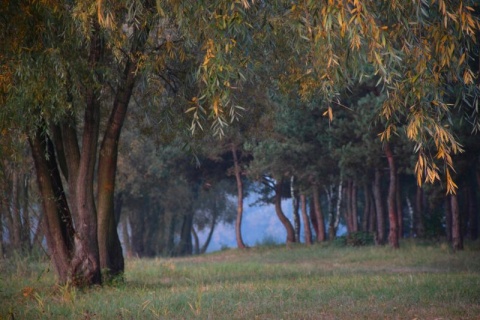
<point>319,282</point>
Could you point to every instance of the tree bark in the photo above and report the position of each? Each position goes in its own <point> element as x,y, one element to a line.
<point>366,209</point>
<point>56,227</point>
<point>204,248</point>
<point>448,219</point>
<point>281,216</point>
<point>306,220</point>
<point>110,249</point>
<point>392,214</point>
<point>353,203</point>
<point>399,208</point>
<point>377,197</point>
<point>295,207</point>
<point>457,239</point>
<point>419,228</point>
<point>185,247</point>
<point>85,268</point>
<point>196,242</point>
<point>318,214</point>
<point>238,178</point>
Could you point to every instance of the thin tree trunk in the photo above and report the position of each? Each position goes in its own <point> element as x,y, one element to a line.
<point>348,209</point>
<point>238,178</point>
<point>392,214</point>
<point>457,239</point>
<point>295,207</point>
<point>306,220</point>
<point>204,248</point>
<point>399,208</point>
<point>196,242</point>
<point>354,211</point>
<point>318,214</point>
<point>331,197</point>
<point>281,216</point>
<point>377,197</point>
<point>15,209</point>
<point>472,209</point>
<point>126,237</point>
<point>419,228</point>
<point>366,209</point>
<point>448,219</point>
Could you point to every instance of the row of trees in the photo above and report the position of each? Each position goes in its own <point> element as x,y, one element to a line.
<point>70,71</point>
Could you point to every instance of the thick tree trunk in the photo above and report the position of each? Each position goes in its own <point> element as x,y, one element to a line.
<point>392,214</point>
<point>185,247</point>
<point>238,178</point>
<point>457,239</point>
<point>318,214</point>
<point>306,220</point>
<point>281,216</point>
<point>85,267</point>
<point>377,197</point>
<point>111,256</point>
<point>56,227</point>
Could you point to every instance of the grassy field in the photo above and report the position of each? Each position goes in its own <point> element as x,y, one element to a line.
<point>419,281</point>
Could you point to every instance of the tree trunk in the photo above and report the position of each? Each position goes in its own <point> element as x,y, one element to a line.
<point>318,214</point>
<point>110,249</point>
<point>56,226</point>
<point>331,198</point>
<point>204,248</point>
<point>392,214</point>
<point>295,207</point>
<point>196,242</point>
<point>348,209</point>
<point>126,237</point>
<point>399,207</point>
<point>281,216</point>
<point>85,267</point>
<point>185,247</point>
<point>377,197</point>
<point>238,178</point>
<point>457,239</point>
<point>472,208</point>
<point>366,209</point>
<point>448,218</point>
<point>419,229</point>
<point>306,220</point>
<point>16,229</point>
<point>353,210</point>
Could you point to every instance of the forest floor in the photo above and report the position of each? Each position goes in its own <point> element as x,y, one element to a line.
<point>418,281</point>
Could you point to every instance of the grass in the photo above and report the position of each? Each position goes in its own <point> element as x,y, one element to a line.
<point>419,281</point>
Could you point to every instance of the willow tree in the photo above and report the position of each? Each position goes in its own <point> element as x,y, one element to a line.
<point>77,68</point>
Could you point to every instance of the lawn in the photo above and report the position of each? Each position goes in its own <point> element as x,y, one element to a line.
<point>418,281</point>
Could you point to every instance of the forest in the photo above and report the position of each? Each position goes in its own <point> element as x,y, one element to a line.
<point>129,127</point>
